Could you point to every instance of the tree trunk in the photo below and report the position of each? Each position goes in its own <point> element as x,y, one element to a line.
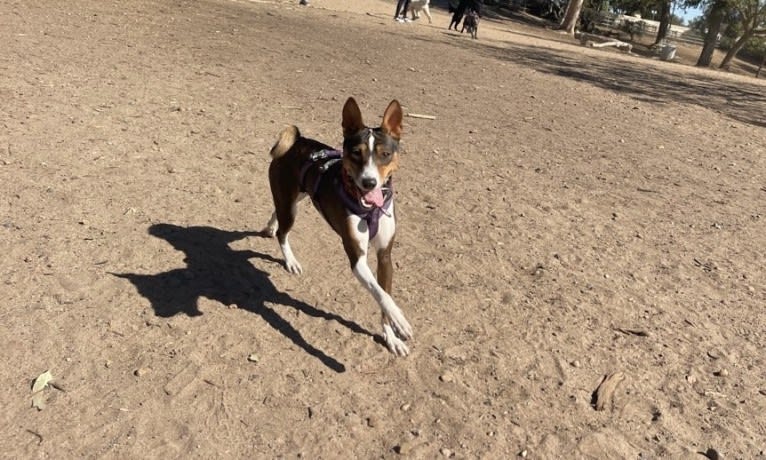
<point>571,16</point>
<point>763,61</point>
<point>664,27</point>
<point>735,49</point>
<point>714,23</point>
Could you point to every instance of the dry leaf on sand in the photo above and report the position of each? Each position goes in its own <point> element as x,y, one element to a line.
<point>41,382</point>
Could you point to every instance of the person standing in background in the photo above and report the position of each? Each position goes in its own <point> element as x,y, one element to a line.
<point>401,11</point>
<point>457,16</point>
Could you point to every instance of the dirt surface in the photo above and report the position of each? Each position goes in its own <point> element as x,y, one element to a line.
<point>570,214</point>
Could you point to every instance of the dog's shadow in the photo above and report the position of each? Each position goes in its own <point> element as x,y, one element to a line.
<point>216,271</point>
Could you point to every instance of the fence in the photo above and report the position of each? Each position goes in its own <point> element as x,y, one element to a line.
<point>639,26</point>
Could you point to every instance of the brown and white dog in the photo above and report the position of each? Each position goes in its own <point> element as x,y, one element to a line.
<point>353,192</point>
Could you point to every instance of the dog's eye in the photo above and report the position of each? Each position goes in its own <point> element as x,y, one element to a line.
<point>356,153</point>
<point>385,154</point>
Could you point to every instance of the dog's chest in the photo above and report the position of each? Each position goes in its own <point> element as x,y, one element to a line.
<point>322,173</point>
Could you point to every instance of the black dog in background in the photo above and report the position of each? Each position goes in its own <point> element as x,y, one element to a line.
<point>459,10</point>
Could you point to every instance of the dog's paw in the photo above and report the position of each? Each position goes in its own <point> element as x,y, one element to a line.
<point>399,324</point>
<point>395,344</point>
<point>293,266</point>
<point>271,228</point>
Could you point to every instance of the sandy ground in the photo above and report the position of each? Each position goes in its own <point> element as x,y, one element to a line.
<point>569,214</point>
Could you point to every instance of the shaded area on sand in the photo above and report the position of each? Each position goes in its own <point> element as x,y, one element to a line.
<point>215,271</point>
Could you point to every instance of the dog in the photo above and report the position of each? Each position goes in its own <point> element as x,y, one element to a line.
<point>416,6</point>
<point>471,23</point>
<point>352,190</point>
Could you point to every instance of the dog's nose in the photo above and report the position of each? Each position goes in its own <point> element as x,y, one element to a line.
<point>369,183</point>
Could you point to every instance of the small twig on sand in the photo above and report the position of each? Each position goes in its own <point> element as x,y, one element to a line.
<point>39,436</point>
<point>419,115</point>
<point>604,394</point>
<point>637,332</point>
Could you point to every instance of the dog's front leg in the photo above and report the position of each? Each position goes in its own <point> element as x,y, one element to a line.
<point>385,277</point>
<point>395,325</point>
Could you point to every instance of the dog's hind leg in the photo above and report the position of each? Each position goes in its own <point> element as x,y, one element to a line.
<point>271,227</point>
<point>285,218</point>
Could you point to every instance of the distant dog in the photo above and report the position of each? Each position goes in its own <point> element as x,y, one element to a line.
<point>471,23</point>
<point>352,190</point>
<point>416,6</point>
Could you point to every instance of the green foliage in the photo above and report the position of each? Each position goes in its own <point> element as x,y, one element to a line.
<point>676,20</point>
<point>699,24</point>
<point>755,47</point>
<point>740,19</point>
<point>692,3</point>
<point>630,7</point>
<point>648,9</point>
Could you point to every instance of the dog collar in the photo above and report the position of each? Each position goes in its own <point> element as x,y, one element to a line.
<point>328,164</point>
<point>352,200</point>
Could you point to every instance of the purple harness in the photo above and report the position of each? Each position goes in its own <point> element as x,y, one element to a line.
<point>329,166</point>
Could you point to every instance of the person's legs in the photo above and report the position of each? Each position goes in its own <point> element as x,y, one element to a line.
<point>405,7</point>
<point>399,5</point>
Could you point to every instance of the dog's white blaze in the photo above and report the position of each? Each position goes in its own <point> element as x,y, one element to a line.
<point>370,170</point>
<point>371,143</point>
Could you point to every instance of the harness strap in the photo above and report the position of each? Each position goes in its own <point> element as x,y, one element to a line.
<point>327,158</point>
<point>354,206</point>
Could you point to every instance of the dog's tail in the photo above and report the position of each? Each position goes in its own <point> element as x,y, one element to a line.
<point>287,138</point>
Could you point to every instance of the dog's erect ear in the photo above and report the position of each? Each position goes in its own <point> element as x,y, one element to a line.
<point>352,118</point>
<point>392,120</point>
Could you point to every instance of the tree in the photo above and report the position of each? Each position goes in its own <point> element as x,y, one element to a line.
<point>665,18</point>
<point>757,47</point>
<point>571,16</point>
<point>715,15</point>
<point>752,15</point>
